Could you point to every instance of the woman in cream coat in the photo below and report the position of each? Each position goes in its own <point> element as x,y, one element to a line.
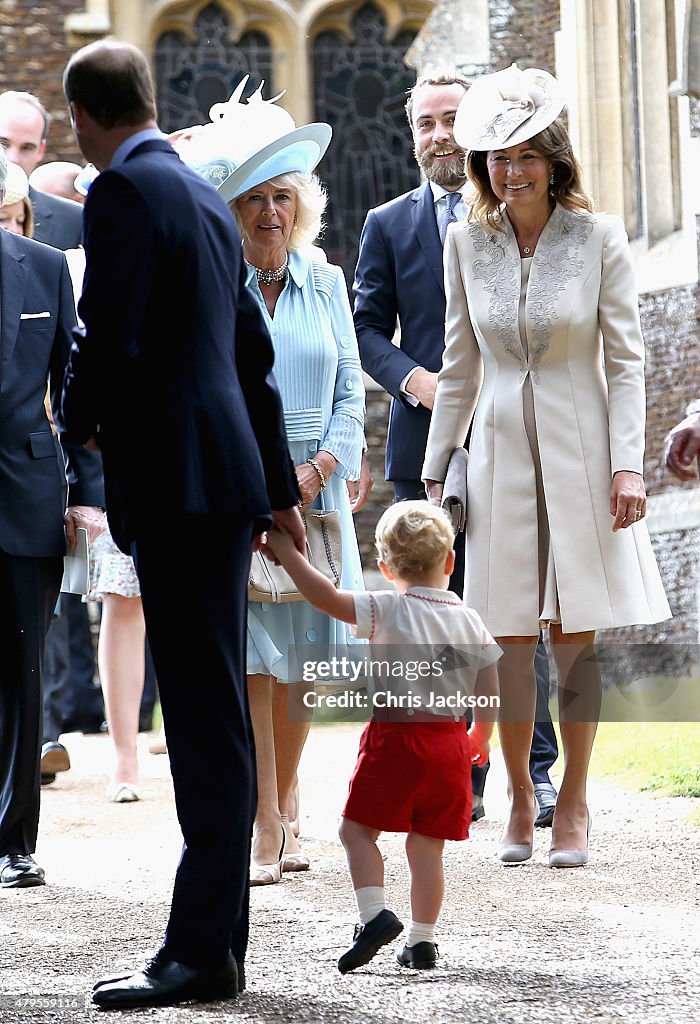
<point>544,358</point>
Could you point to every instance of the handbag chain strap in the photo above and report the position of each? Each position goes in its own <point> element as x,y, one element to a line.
<point>329,552</point>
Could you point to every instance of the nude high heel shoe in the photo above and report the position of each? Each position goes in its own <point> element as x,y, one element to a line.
<point>571,858</point>
<point>268,874</point>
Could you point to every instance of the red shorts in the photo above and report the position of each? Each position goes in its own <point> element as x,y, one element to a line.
<point>413,777</point>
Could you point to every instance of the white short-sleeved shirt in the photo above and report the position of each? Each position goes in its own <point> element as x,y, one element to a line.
<point>424,627</point>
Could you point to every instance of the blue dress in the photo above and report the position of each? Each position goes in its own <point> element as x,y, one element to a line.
<point>317,368</point>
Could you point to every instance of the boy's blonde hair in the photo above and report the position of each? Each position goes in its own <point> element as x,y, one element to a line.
<point>413,538</point>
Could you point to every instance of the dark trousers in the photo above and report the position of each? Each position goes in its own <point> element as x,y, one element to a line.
<point>28,594</point>
<point>544,750</point>
<point>196,625</point>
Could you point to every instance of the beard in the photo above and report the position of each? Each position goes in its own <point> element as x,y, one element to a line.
<point>446,173</point>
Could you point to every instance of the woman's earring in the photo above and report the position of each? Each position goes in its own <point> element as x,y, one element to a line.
<point>551,179</point>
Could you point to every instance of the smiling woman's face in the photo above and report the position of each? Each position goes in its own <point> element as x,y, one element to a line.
<point>519,177</point>
<point>267,215</point>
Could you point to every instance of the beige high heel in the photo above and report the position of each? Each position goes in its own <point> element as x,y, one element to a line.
<point>268,874</point>
<point>571,858</point>
<point>293,861</point>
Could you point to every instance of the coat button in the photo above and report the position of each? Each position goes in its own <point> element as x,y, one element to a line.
<point>348,385</point>
<point>312,447</point>
<point>311,635</point>
<point>345,341</point>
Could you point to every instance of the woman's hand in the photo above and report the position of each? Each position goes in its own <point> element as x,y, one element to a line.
<point>308,479</point>
<point>434,491</point>
<point>628,499</point>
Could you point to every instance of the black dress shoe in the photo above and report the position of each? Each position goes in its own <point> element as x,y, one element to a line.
<point>19,871</point>
<point>240,968</point>
<point>478,811</point>
<point>47,779</point>
<point>166,982</point>
<point>54,759</point>
<point>546,797</point>
<point>421,957</point>
<point>368,939</point>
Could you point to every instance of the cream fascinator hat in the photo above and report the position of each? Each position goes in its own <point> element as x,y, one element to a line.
<point>507,108</point>
<point>249,143</point>
<point>16,185</point>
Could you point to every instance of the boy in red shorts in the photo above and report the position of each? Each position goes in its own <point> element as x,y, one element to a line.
<point>412,773</point>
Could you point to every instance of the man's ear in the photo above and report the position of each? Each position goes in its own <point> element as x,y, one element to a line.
<point>77,116</point>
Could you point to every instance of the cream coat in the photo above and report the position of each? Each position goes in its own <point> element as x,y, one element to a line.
<point>586,365</point>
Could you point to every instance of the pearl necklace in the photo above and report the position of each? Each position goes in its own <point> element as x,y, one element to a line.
<point>269,276</point>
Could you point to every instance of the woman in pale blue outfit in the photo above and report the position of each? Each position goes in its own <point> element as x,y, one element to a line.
<point>278,205</point>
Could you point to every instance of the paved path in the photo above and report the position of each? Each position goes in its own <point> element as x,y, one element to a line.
<point>615,941</point>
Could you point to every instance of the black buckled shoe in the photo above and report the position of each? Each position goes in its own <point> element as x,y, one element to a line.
<point>546,797</point>
<point>20,871</point>
<point>167,982</point>
<point>421,957</point>
<point>368,939</point>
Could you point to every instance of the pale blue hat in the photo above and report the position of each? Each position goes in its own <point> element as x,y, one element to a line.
<point>249,143</point>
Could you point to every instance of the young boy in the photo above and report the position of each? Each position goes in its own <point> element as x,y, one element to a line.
<point>412,773</point>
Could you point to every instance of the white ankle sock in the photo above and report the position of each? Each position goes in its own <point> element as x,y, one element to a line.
<point>370,902</point>
<point>418,932</point>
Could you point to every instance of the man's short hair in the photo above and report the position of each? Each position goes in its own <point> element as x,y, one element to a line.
<point>443,76</point>
<point>3,173</point>
<point>112,82</point>
<point>26,97</point>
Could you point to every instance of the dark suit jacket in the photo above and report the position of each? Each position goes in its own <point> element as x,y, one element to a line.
<point>399,273</point>
<point>57,222</point>
<point>34,350</point>
<point>174,370</point>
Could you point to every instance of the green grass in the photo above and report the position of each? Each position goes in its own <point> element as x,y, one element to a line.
<point>661,757</point>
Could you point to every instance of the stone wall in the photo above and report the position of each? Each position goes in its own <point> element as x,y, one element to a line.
<point>34,51</point>
<point>670,323</point>
<point>522,31</point>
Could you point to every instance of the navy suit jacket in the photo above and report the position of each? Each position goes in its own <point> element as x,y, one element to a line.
<point>399,274</point>
<point>57,222</point>
<point>173,371</point>
<point>36,320</point>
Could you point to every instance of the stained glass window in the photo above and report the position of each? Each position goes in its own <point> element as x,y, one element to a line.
<point>360,89</point>
<point>191,77</point>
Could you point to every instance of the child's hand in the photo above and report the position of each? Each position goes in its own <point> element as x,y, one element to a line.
<point>480,745</point>
<point>280,543</point>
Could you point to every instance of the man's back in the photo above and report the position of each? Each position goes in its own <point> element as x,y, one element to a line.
<point>163,294</point>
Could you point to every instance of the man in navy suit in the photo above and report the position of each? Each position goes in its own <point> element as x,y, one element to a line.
<point>36,319</point>
<point>172,377</point>
<point>400,275</point>
<point>24,125</point>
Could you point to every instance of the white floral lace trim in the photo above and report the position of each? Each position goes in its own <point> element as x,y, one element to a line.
<point>557,264</point>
